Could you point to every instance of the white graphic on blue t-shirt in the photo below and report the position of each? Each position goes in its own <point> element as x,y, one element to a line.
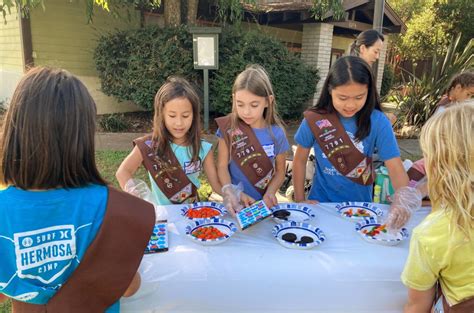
<point>44,254</point>
<point>192,167</point>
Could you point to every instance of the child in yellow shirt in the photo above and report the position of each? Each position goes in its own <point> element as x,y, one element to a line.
<point>442,246</point>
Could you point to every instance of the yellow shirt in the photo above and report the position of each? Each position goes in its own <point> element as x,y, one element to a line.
<point>437,254</point>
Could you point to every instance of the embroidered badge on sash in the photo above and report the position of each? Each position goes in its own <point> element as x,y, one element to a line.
<point>323,123</point>
<point>182,195</point>
<point>358,170</point>
<point>262,184</point>
<point>366,175</point>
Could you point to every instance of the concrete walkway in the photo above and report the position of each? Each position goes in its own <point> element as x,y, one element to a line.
<point>409,148</point>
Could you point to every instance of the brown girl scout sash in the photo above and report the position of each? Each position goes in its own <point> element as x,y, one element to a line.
<point>110,262</point>
<point>339,148</point>
<point>170,177</point>
<point>247,153</point>
<point>414,174</point>
<point>441,305</point>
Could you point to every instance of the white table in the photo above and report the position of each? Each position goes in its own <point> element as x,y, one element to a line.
<point>252,272</point>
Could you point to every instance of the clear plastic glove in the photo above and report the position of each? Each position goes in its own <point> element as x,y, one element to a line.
<point>405,201</point>
<point>422,187</point>
<point>231,195</point>
<point>139,188</point>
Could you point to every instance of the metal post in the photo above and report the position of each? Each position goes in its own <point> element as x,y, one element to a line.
<point>206,99</point>
<point>379,7</point>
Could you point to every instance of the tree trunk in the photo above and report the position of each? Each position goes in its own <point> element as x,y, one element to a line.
<point>192,12</point>
<point>172,12</point>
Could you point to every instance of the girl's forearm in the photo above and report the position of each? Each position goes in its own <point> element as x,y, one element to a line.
<point>224,175</point>
<point>123,176</point>
<point>415,307</point>
<point>215,184</point>
<point>276,181</point>
<point>299,170</point>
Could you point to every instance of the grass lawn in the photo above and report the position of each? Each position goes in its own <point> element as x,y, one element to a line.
<point>5,307</point>
<point>109,161</point>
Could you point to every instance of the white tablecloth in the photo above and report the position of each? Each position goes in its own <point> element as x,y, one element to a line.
<point>252,272</point>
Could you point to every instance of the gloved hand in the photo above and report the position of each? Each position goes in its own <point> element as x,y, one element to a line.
<point>231,194</point>
<point>139,188</point>
<point>405,201</point>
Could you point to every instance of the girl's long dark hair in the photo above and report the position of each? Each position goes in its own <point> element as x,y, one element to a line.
<point>48,133</point>
<point>346,70</point>
<point>367,38</point>
<point>175,87</point>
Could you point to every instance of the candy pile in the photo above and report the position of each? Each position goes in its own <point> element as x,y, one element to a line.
<point>208,232</point>
<point>375,230</point>
<point>204,212</point>
<point>358,213</point>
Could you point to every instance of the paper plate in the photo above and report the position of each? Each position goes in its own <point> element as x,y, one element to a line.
<point>300,232</point>
<point>357,211</point>
<point>287,212</point>
<point>201,205</point>
<point>225,227</point>
<point>382,237</point>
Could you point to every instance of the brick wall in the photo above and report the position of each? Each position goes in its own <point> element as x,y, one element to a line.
<point>381,63</point>
<point>316,49</point>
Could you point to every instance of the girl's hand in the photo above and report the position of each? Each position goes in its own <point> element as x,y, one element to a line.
<point>309,201</point>
<point>246,200</point>
<point>270,200</point>
<point>231,194</point>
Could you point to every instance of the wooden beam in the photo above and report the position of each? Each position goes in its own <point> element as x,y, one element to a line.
<point>352,25</point>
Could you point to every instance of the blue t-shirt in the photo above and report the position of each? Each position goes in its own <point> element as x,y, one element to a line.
<point>192,169</point>
<point>328,184</point>
<point>43,238</point>
<point>273,146</point>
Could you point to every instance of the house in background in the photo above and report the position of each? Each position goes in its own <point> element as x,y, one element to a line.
<point>59,36</point>
<point>322,43</point>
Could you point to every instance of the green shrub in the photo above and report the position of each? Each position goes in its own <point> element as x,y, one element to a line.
<point>417,101</point>
<point>133,64</point>
<point>3,107</point>
<point>113,123</point>
<point>294,83</point>
<point>6,307</point>
<point>387,80</point>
